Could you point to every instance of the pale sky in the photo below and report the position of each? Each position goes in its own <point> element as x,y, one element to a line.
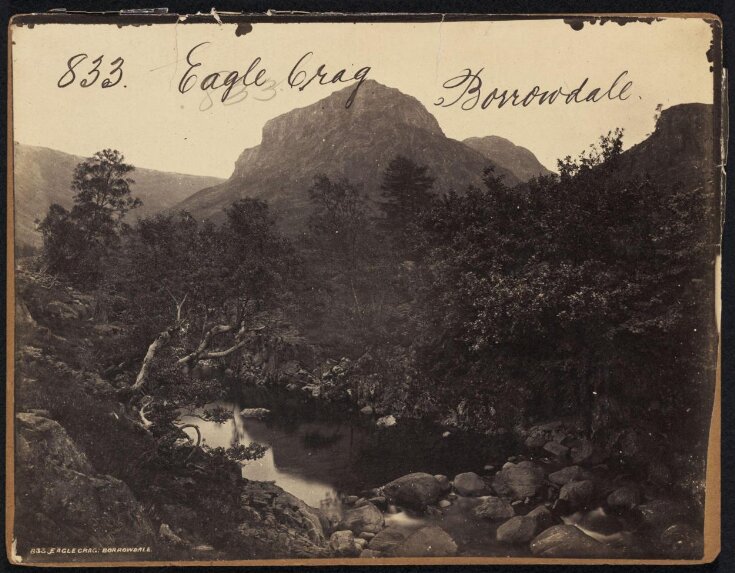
<point>155,126</point>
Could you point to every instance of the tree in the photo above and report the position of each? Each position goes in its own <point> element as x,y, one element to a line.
<point>407,191</point>
<point>77,242</point>
<point>338,221</point>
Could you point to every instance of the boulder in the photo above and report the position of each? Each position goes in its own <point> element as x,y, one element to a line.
<point>431,541</point>
<point>577,494</point>
<point>556,449</point>
<point>444,503</point>
<point>570,473</point>
<point>566,541</point>
<point>69,501</point>
<point>661,513</point>
<point>470,484</point>
<point>254,412</point>
<point>364,518</point>
<point>342,543</point>
<point>386,421</point>
<point>444,482</point>
<point>582,452</point>
<point>378,501</point>
<point>623,498</point>
<point>521,480</point>
<point>415,490</point>
<point>518,529</point>
<point>542,517</point>
<point>366,535</point>
<point>387,540</point>
<point>495,509</point>
<point>367,410</point>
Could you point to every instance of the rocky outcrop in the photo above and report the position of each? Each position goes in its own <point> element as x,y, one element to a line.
<point>416,490</point>
<point>68,501</point>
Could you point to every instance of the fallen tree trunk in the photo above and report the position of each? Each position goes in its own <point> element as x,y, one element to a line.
<point>161,340</point>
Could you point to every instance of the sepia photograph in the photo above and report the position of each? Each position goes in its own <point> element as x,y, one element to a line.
<point>364,289</point>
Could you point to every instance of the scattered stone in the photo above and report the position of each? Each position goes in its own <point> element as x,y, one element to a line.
<point>488,467</point>
<point>570,473</point>
<point>364,518</point>
<point>416,490</point>
<point>444,503</point>
<point>431,541</point>
<point>387,540</point>
<point>386,421</point>
<point>360,502</point>
<point>446,434</point>
<point>518,529</point>
<point>566,541</point>
<point>495,509</point>
<point>469,484</point>
<point>369,553</point>
<point>350,499</point>
<point>361,543</point>
<point>444,482</point>
<point>366,535</point>
<point>521,480</point>
<point>624,498</point>
<point>577,494</point>
<point>343,544</point>
<point>556,449</point>
<point>367,410</point>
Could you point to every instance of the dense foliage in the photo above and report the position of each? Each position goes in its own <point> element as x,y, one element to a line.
<point>582,294</point>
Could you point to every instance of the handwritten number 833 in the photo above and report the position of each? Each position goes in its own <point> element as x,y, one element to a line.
<point>94,70</point>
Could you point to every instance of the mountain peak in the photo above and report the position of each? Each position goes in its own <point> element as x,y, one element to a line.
<point>358,143</point>
<point>375,106</point>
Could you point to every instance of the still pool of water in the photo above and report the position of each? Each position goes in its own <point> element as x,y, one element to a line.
<point>321,452</point>
<point>318,452</point>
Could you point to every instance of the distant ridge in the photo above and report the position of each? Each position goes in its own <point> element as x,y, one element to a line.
<point>516,159</point>
<point>43,176</point>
